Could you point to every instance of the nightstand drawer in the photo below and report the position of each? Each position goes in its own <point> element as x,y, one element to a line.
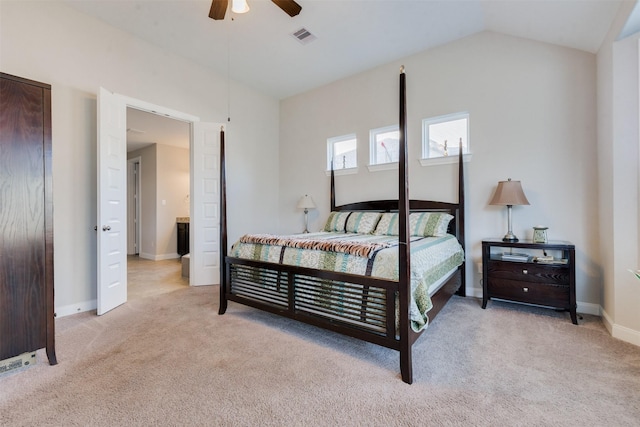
<point>528,272</point>
<point>552,295</point>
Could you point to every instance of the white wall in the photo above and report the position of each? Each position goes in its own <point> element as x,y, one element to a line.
<point>532,118</point>
<point>619,178</point>
<point>50,42</point>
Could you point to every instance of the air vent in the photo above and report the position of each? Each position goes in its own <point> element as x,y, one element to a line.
<point>304,36</point>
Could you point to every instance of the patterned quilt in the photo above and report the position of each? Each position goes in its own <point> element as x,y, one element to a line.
<point>362,254</point>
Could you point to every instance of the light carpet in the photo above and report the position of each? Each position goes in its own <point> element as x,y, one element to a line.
<point>170,359</point>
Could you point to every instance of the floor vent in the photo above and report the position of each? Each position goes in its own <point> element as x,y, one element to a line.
<point>25,359</point>
<point>304,36</point>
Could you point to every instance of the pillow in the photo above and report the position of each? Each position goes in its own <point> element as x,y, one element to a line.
<point>362,222</point>
<point>388,225</point>
<point>336,221</point>
<point>423,224</point>
<point>429,224</point>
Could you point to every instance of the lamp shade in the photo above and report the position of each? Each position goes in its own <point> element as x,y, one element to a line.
<point>306,202</point>
<point>509,193</point>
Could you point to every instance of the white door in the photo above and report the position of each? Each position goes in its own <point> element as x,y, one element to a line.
<point>112,191</point>
<point>205,209</point>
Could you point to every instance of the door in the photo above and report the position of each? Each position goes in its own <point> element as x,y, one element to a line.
<point>112,191</point>
<point>205,209</point>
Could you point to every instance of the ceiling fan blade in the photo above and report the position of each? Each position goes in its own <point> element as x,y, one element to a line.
<point>290,7</point>
<point>218,9</point>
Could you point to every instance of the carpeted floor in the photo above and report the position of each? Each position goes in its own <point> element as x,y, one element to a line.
<point>170,359</point>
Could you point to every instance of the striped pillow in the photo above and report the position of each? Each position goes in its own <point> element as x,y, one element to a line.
<point>336,221</point>
<point>429,224</point>
<point>388,225</point>
<point>423,224</point>
<point>362,222</point>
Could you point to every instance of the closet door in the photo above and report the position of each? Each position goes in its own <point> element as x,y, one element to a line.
<point>26,218</point>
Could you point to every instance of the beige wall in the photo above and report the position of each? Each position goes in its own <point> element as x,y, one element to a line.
<point>172,188</point>
<point>532,113</point>
<point>619,178</point>
<point>50,42</point>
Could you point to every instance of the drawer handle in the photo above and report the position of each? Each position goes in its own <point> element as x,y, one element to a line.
<point>525,289</point>
<point>525,271</point>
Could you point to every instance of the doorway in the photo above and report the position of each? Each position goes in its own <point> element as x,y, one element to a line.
<point>111,189</point>
<point>158,171</point>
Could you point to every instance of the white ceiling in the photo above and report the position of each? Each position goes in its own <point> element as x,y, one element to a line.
<point>258,50</point>
<point>144,129</point>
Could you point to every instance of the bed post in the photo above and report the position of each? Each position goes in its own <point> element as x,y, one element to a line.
<point>404,261</point>
<point>223,227</point>
<point>462,290</point>
<point>333,189</point>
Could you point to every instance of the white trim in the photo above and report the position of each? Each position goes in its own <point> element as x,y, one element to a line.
<point>331,142</point>
<point>588,308</point>
<point>80,307</point>
<point>160,257</point>
<point>620,332</point>
<point>338,172</point>
<point>383,167</point>
<point>442,119</point>
<point>434,161</point>
<point>373,133</point>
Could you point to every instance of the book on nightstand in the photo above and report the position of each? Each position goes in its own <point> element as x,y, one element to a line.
<point>512,256</point>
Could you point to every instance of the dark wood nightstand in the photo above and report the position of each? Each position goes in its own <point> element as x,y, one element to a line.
<point>528,281</point>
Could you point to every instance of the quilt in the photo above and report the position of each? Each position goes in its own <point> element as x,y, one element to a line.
<point>362,254</point>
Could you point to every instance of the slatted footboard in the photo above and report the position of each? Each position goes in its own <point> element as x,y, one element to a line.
<point>359,306</point>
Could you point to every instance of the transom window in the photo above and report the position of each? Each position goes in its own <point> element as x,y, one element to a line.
<point>343,150</point>
<point>383,145</point>
<point>443,136</point>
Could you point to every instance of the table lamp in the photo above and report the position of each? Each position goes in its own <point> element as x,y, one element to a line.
<point>509,193</point>
<point>306,203</point>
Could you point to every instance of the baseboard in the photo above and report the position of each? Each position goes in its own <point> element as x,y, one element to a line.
<point>620,332</point>
<point>80,307</point>
<point>582,307</point>
<point>161,257</point>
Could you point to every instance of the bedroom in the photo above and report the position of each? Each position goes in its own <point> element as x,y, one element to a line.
<point>555,107</point>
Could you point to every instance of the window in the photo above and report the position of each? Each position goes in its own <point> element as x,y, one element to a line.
<point>384,144</point>
<point>442,136</point>
<point>343,151</point>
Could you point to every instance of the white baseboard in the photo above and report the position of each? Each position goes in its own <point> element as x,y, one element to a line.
<point>161,257</point>
<point>80,307</point>
<point>620,332</point>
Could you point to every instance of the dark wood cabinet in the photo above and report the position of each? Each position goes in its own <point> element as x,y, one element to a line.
<point>183,238</point>
<point>26,218</point>
<point>528,281</point>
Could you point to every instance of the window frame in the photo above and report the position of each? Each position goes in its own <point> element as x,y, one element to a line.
<point>466,148</point>
<point>330,149</point>
<point>373,164</point>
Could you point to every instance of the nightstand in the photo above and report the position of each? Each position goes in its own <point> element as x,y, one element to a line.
<point>527,281</point>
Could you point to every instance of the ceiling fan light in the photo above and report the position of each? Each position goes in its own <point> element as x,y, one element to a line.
<point>239,6</point>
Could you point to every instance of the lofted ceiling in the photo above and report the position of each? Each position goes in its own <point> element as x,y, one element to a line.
<point>258,50</point>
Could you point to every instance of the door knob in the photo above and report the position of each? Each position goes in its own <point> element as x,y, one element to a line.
<point>106,228</point>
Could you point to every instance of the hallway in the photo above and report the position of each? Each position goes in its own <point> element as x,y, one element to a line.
<point>148,278</point>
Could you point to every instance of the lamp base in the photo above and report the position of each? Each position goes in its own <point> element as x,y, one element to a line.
<point>510,237</point>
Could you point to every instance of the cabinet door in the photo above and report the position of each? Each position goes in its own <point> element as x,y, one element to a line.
<point>23,218</point>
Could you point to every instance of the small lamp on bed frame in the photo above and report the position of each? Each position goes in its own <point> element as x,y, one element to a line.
<point>306,203</point>
<point>509,193</point>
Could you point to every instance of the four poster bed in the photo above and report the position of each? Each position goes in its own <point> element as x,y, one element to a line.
<point>378,271</point>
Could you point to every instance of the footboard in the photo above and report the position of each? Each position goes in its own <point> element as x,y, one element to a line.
<point>359,306</point>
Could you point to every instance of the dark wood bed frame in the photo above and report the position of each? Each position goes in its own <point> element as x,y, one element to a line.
<point>289,291</point>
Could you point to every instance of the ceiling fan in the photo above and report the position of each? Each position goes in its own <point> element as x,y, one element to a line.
<point>219,8</point>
